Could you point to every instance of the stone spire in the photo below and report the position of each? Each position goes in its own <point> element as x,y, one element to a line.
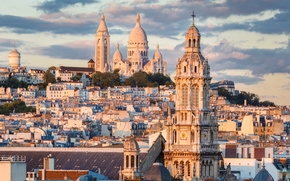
<point>102,25</point>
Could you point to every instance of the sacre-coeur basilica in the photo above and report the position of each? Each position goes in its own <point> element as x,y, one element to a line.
<point>137,52</point>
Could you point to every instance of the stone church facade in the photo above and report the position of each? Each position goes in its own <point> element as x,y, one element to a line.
<point>192,149</point>
<point>137,52</point>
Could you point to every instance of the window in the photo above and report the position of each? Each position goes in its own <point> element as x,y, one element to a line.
<point>189,43</point>
<point>132,161</point>
<point>184,69</point>
<point>188,168</point>
<point>184,95</point>
<point>127,161</point>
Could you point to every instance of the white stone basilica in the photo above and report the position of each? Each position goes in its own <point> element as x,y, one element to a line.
<point>137,52</point>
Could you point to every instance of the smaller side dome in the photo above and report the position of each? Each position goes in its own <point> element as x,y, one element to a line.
<point>130,144</point>
<point>137,54</point>
<point>117,55</point>
<point>157,53</point>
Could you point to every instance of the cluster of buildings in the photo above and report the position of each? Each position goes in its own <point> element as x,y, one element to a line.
<point>137,59</point>
<point>182,133</point>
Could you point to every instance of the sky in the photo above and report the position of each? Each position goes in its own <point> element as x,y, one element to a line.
<point>246,41</point>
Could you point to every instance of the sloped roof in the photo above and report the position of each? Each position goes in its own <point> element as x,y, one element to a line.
<point>68,159</point>
<point>263,175</point>
<point>76,69</point>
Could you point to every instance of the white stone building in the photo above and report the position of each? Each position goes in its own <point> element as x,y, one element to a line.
<point>137,52</point>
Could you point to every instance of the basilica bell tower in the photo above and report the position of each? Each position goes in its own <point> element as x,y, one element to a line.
<point>192,150</point>
<point>102,47</point>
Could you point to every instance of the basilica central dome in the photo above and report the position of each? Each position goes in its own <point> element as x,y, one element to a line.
<point>137,35</point>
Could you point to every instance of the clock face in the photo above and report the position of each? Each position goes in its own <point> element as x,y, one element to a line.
<point>205,138</point>
<point>183,135</point>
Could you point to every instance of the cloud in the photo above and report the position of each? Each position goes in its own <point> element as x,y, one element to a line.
<point>25,25</point>
<point>243,79</point>
<point>141,2</point>
<point>9,43</point>
<point>225,56</point>
<point>52,6</point>
<point>80,50</point>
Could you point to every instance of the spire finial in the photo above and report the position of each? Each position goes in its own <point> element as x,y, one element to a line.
<point>117,46</point>
<point>103,17</point>
<point>157,46</point>
<point>264,163</point>
<point>193,15</point>
<point>138,18</point>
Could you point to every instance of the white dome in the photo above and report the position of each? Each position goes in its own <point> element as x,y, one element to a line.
<point>137,35</point>
<point>14,53</point>
<point>157,53</point>
<point>137,55</point>
<point>14,58</point>
<point>117,55</point>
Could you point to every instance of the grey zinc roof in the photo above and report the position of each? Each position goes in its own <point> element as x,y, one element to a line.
<point>108,162</point>
<point>263,175</point>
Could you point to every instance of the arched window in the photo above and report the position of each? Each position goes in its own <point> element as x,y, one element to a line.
<point>184,69</point>
<point>127,161</point>
<point>192,136</point>
<point>132,161</point>
<point>194,43</point>
<point>195,69</point>
<point>182,167</point>
<point>189,43</point>
<point>174,136</point>
<point>195,95</point>
<point>137,163</point>
<point>105,41</point>
<point>188,168</point>
<point>184,95</point>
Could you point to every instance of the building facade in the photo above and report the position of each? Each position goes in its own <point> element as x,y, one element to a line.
<point>137,53</point>
<point>102,47</point>
<point>192,149</point>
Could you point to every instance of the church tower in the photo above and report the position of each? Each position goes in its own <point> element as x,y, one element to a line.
<point>192,149</point>
<point>102,47</point>
<point>131,165</point>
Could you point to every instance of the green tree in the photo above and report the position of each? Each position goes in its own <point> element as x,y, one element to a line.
<point>106,79</point>
<point>48,77</point>
<point>77,77</point>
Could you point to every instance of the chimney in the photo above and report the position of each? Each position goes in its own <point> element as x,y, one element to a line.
<point>48,163</point>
